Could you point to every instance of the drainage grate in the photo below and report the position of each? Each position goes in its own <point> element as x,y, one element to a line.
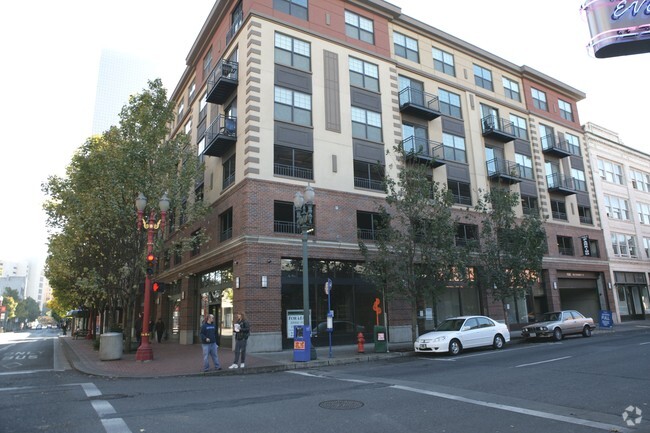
<point>341,404</point>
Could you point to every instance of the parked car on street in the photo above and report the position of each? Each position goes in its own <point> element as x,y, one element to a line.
<point>557,324</point>
<point>464,332</point>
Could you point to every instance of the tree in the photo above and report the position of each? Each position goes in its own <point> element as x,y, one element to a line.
<point>414,255</point>
<point>511,249</point>
<point>27,310</point>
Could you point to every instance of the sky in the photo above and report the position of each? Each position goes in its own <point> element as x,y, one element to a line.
<point>50,54</point>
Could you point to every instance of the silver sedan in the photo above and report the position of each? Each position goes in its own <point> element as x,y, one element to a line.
<point>557,324</point>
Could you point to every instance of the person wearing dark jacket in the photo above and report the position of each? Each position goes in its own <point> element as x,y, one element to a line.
<point>209,343</point>
<point>160,329</point>
<point>241,329</point>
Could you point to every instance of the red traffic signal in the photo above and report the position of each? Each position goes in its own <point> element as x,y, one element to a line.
<point>158,287</point>
<point>151,261</point>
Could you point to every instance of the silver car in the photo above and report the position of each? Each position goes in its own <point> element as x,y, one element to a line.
<point>557,324</point>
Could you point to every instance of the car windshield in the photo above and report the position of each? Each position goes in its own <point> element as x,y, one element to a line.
<point>551,317</point>
<point>451,325</point>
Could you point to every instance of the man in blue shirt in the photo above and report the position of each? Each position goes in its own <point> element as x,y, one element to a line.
<point>209,342</point>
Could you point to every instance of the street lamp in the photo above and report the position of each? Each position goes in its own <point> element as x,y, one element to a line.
<point>304,206</point>
<point>144,352</point>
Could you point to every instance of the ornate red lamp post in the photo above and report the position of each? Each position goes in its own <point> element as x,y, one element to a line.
<point>144,352</point>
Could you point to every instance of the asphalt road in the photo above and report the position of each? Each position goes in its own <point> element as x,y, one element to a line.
<point>577,385</point>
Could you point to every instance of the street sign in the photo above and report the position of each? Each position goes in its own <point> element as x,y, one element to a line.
<point>328,286</point>
<point>606,319</point>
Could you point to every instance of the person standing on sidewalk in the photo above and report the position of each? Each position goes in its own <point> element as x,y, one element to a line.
<point>209,343</point>
<point>160,329</point>
<point>242,329</point>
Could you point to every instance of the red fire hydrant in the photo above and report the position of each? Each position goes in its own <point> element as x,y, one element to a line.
<point>360,342</point>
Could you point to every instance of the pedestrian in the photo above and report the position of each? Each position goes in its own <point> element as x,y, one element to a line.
<point>151,328</point>
<point>138,329</point>
<point>160,329</point>
<point>64,327</point>
<point>242,329</point>
<point>209,343</point>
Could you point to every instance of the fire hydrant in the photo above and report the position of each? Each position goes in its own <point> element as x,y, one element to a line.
<point>360,342</point>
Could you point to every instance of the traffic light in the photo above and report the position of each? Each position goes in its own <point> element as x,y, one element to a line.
<point>158,287</point>
<point>151,261</point>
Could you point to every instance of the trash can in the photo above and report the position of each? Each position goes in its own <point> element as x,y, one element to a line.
<point>301,343</point>
<point>381,345</point>
<point>110,346</point>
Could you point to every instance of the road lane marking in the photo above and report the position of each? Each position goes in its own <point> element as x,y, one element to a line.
<point>520,410</point>
<point>104,408</point>
<point>543,362</point>
<point>643,344</point>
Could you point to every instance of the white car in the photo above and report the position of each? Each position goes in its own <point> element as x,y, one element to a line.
<point>464,332</point>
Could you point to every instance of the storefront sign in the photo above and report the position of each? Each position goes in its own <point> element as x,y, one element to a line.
<point>586,248</point>
<point>618,27</point>
<point>294,317</point>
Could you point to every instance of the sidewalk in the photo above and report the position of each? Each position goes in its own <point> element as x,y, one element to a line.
<point>173,359</point>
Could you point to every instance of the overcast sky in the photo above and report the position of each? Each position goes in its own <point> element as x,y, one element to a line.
<point>50,55</point>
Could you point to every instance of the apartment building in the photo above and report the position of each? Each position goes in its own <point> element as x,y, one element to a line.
<point>281,94</point>
<point>622,183</point>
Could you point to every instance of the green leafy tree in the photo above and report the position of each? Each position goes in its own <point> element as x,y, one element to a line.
<point>414,254</point>
<point>10,300</point>
<point>511,248</point>
<point>27,310</point>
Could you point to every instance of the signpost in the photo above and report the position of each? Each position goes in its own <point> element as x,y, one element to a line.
<point>330,313</point>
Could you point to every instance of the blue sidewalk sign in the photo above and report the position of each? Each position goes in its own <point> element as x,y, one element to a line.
<point>606,319</point>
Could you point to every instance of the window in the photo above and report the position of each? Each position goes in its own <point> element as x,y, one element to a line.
<point>646,247</point>
<point>366,124</point>
<point>207,63</point>
<point>449,104</point>
<point>546,136</point>
<point>617,208</point>
<point>178,254</point>
<point>529,205</point>
<point>644,212</point>
<point>228,177</point>
<point>525,163</point>
<point>565,245</point>
<point>465,234</point>
<point>565,110</point>
<point>284,218</point>
<point>292,52</point>
<point>483,77</point>
<point>573,143</point>
<point>558,210</point>
<point>406,47</point>
<point>416,139</point>
<point>358,27</point>
<point>291,162</point>
<point>198,192</point>
<point>203,104</point>
<point>190,91</point>
<point>460,192</point>
<point>297,8</point>
<point>539,99</point>
<point>610,172</point>
<point>640,180</point>
<point>623,245</point>
<point>593,247</point>
<point>195,243</point>
<point>368,176</point>
<point>369,225</point>
<point>411,91</point>
<point>181,107</point>
<point>225,225</point>
<point>511,89</point>
<point>579,182</point>
<point>584,213</point>
<point>443,62</point>
<point>454,147</point>
<point>364,74</point>
<point>519,127</point>
<point>292,106</point>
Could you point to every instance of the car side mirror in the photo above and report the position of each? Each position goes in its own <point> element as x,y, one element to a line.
<point>466,328</point>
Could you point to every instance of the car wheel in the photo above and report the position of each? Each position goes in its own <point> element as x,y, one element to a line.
<point>454,347</point>
<point>557,334</point>
<point>498,342</point>
<point>586,332</point>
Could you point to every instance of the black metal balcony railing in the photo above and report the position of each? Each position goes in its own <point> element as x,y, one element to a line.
<point>225,234</point>
<point>461,199</point>
<point>498,128</point>
<point>504,170</point>
<point>220,135</point>
<point>418,103</point>
<point>551,145</point>
<point>424,151</point>
<point>561,184</point>
<point>363,182</point>
<point>228,181</point>
<point>366,234</point>
<point>223,81</point>
<point>293,171</point>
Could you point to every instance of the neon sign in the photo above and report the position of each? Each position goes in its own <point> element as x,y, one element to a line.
<point>618,28</point>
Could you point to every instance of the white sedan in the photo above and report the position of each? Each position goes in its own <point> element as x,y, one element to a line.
<point>464,332</point>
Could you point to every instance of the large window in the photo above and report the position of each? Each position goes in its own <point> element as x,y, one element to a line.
<point>546,136</point>
<point>584,212</point>
<point>460,192</point>
<point>292,52</point>
<point>406,47</point>
<point>565,245</point>
<point>579,181</point>
<point>291,162</point>
<point>369,225</point>
<point>449,104</point>
<point>617,208</point>
<point>525,163</point>
<point>225,225</point>
<point>292,106</point>
<point>297,8</point>
<point>207,63</point>
<point>284,218</point>
<point>366,124</point>
<point>558,210</point>
<point>368,176</point>
<point>565,110</point>
<point>646,247</point>
<point>529,205</point>
<point>640,180</point>
<point>623,245</point>
<point>228,172</point>
<point>454,147</point>
<point>483,77</point>
<point>519,126</point>
<point>358,27</point>
<point>364,74</point>
<point>443,62</point>
<point>466,233</point>
<point>573,143</point>
<point>511,89</point>
<point>610,172</point>
<point>539,99</point>
<point>643,210</point>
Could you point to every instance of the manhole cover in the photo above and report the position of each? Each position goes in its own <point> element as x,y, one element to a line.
<point>341,404</point>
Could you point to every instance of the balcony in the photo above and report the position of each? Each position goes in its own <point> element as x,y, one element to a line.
<point>419,104</point>
<point>504,171</point>
<point>498,129</point>
<point>423,151</point>
<point>560,184</point>
<point>222,81</point>
<point>554,147</point>
<point>220,136</point>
